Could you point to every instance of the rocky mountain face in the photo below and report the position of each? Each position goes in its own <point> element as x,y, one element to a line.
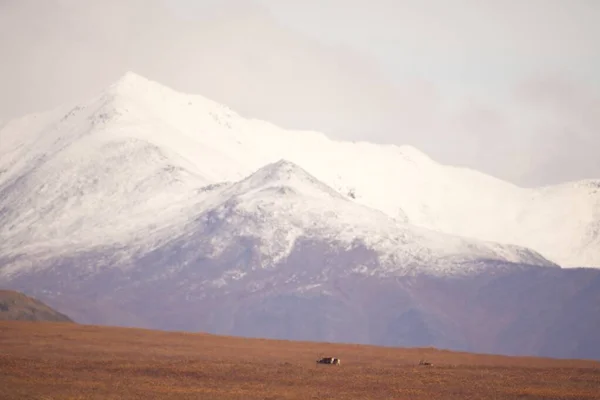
<point>145,207</point>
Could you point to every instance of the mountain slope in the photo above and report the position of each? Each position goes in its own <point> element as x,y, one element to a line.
<point>281,203</point>
<point>186,141</point>
<point>15,306</point>
<point>275,207</point>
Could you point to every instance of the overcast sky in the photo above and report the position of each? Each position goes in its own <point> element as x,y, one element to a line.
<point>507,87</point>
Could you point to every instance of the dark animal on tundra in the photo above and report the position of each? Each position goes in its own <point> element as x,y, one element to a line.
<point>329,360</point>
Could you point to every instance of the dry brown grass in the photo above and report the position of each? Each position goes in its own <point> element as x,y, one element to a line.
<point>67,361</point>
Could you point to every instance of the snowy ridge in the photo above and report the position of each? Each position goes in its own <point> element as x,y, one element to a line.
<point>281,203</point>
<point>139,161</point>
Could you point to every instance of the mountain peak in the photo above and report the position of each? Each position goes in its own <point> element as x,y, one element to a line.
<point>132,77</point>
<point>159,101</point>
<point>131,83</point>
<point>286,174</point>
<point>283,169</point>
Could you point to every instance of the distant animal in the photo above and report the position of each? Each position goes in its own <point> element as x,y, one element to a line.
<point>329,360</point>
<point>423,362</point>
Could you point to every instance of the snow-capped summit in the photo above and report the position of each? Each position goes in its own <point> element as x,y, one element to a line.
<point>138,95</point>
<point>284,176</point>
<point>132,80</point>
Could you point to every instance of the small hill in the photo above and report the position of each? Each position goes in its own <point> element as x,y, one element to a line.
<point>16,306</point>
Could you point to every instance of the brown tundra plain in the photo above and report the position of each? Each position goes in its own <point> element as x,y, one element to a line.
<point>71,361</point>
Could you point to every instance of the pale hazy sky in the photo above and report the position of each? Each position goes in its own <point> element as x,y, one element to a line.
<point>509,87</point>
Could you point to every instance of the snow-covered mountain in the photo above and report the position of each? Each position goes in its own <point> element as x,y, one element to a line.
<point>275,207</point>
<point>148,207</point>
<point>179,142</point>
